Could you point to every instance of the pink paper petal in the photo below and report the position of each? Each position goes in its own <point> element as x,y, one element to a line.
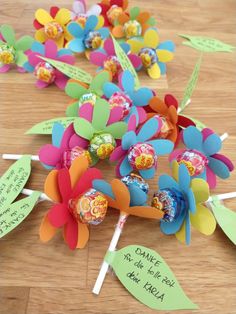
<point>142,114</point>
<point>71,233</point>
<point>225,160</point>
<point>135,60</point>
<point>109,47</point>
<point>117,153</point>
<point>58,215</point>
<point>67,136</point>
<point>210,177</point>
<point>61,82</point>
<point>86,180</point>
<point>64,184</point>
<point>41,84</point>
<point>76,140</point>
<point>86,112</point>
<point>49,155</point>
<point>69,59</point>
<point>98,58</point>
<point>5,68</point>
<point>206,132</point>
<point>175,153</point>
<point>115,115</point>
<point>21,70</point>
<point>34,59</point>
<point>132,123</point>
<point>50,49</point>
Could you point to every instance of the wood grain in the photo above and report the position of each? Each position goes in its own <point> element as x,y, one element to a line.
<point>38,278</point>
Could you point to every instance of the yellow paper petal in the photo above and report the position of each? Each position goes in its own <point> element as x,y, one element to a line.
<point>203,220</point>
<point>154,71</point>
<point>63,16</point>
<point>180,235</point>
<point>60,42</point>
<point>151,38</point>
<point>100,22</point>
<point>135,45</point>
<point>40,35</point>
<point>164,55</point>
<point>83,236</point>
<point>67,35</point>
<point>43,17</point>
<point>200,190</point>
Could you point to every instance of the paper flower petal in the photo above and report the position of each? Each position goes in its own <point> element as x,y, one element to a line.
<point>43,17</point>
<point>203,220</point>
<point>104,32</point>
<point>125,167</point>
<point>101,114</point>
<point>191,201</point>
<point>142,96</point>
<point>154,71</point>
<point>76,140</point>
<point>75,90</point>
<point>8,34</point>
<point>77,45</point>
<point>147,173</point>
<point>98,58</point>
<point>117,130</point>
<point>94,10</point>
<point>135,45</point>
<point>219,168</point>
<point>50,49</point>
<point>143,17</point>
<point>83,235</point>
<point>46,230</point>
<point>225,160</point>
<point>211,178</point>
<point>77,169</point>
<point>162,147</point>
<point>118,31</point>
<point>40,35</point>
<point>109,89</point>
<point>191,133</point>
<point>128,140</point>
<point>148,130</point>
<point>49,155</point>
<point>117,153</point>
<point>135,60</point>
<point>58,215</point>
<point>51,186</point>
<point>60,82</point>
<point>151,38</point>
<point>200,189</point>
<point>176,153</point>
<point>38,47</point>
<point>79,6</point>
<point>126,81</point>
<point>63,16</point>
<point>184,178</point>
<point>167,182</point>
<point>145,211</point>
<point>116,114</point>
<point>86,112</point>
<point>167,45</point>
<point>132,123</point>
<point>84,128</point>
<point>164,55</point>
<point>104,187</point>
<point>174,226</point>
<point>98,81</point>
<point>212,144</point>
<point>71,233</point>
<point>24,43</point>
<point>86,180</point>
<point>109,47</point>
<point>91,23</point>
<point>137,196</point>
<point>75,30</point>
<point>57,133</point>
<point>5,68</point>
<point>64,184</point>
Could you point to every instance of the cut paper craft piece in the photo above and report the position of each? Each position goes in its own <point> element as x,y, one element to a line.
<point>110,10</point>
<point>45,127</point>
<point>125,61</point>
<point>198,123</point>
<point>13,181</point>
<point>146,275</point>
<point>14,214</point>
<point>207,44</point>
<point>191,84</point>
<point>225,217</point>
<point>70,70</point>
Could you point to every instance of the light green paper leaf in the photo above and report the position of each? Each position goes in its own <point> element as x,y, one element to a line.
<point>152,21</point>
<point>45,127</point>
<point>13,215</point>
<point>207,44</point>
<point>191,84</point>
<point>84,128</point>
<point>21,58</point>
<point>14,180</point>
<point>199,125</point>
<point>117,129</point>
<point>70,70</point>
<point>146,275</point>
<point>72,110</point>
<point>24,43</point>
<point>101,113</point>
<point>98,81</point>
<point>125,62</point>
<point>75,90</point>
<point>134,12</point>
<point>225,217</point>
<point>9,34</point>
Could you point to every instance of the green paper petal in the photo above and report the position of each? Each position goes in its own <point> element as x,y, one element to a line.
<point>134,12</point>
<point>24,43</point>
<point>75,90</point>
<point>84,128</point>
<point>117,130</point>
<point>152,21</point>
<point>98,81</point>
<point>9,34</point>
<point>21,58</point>
<point>101,114</point>
<point>72,110</point>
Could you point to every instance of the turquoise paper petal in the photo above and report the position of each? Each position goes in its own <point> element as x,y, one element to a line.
<point>142,96</point>
<point>184,178</point>
<point>193,138</point>
<point>57,133</point>
<point>191,201</point>
<point>162,147</point>
<point>103,187</point>
<point>125,47</point>
<point>109,89</point>
<point>167,182</point>
<point>148,130</point>
<point>134,111</point>
<point>75,30</point>
<point>187,229</point>
<point>162,67</point>
<point>137,196</point>
<point>219,168</point>
<point>167,45</point>
<point>174,226</point>
<point>202,175</point>
<point>77,45</point>
<point>28,67</point>
<point>63,52</point>
<point>125,167</point>
<point>104,31</point>
<point>128,140</point>
<point>127,80</point>
<point>91,23</point>
<point>148,173</point>
<point>212,144</point>
<point>38,47</point>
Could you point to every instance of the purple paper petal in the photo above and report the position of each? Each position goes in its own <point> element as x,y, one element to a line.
<point>50,155</point>
<point>117,154</point>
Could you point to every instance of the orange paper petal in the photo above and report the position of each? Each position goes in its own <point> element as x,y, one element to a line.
<point>78,167</point>
<point>125,4</point>
<point>118,31</point>
<point>46,230</point>
<point>123,18</point>
<point>145,211</point>
<point>51,186</point>
<point>83,235</point>
<point>173,135</point>
<point>158,106</point>
<point>143,17</point>
<point>121,193</point>
<point>172,113</point>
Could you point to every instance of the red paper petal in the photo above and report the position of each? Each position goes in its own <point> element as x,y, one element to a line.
<point>64,184</point>
<point>58,215</point>
<point>71,233</point>
<point>53,11</point>
<point>37,25</point>
<point>184,121</point>
<point>170,100</point>
<point>211,178</point>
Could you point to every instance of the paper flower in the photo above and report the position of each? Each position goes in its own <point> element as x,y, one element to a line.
<point>82,93</point>
<point>52,25</point>
<point>181,198</point>
<point>111,9</point>
<point>12,51</point>
<point>127,201</point>
<point>103,130</point>
<point>139,152</point>
<point>138,98</point>
<point>80,13</point>
<point>88,38</point>
<point>45,73</point>
<point>167,110</point>
<point>66,146</point>
<point>73,210</point>
<point>133,25</point>
<point>201,155</point>
<point>154,54</point>
<point>105,58</point>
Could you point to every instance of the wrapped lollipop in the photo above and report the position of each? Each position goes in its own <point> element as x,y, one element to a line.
<point>80,13</point>
<point>111,9</point>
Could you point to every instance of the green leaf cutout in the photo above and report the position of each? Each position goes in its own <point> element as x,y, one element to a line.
<point>199,125</point>
<point>225,217</point>
<point>14,180</point>
<point>134,12</point>
<point>207,44</point>
<point>70,70</point>
<point>191,84</point>
<point>101,113</point>
<point>21,58</point>
<point>98,81</point>
<point>72,110</point>
<point>45,127</point>
<point>9,34</point>
<point>24,43</point>
<point>152,21</point>
<point>125,62</point>
<point>14,214</point>
<point>146,275</point>
<point>84,128</point>
<point>117,129</point>
<point>75,90</point>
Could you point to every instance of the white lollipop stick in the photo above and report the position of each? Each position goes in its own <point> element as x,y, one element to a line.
<point>224,136</point>
<point>104,268</point>
<point>43,196</point>
<point>188,102</point>
<point>16,157</point>
<point>223,196</point>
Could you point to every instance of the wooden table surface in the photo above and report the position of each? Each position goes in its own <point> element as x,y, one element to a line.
<point>38,278</point>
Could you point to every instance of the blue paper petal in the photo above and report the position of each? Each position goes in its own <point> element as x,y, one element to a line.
<point>134,111</point>
<point>38,47</point>
<point>162,67</point>
<point>104,31</point>
<point>91,23</point>
<point>63,52</point>
<point>191,201</point>
<point>127,81</point>
<point>174,226</point>
<point>142,96</point>
<point>47,167</point>
<point>162,147</point>
<point>137,196</point>
<point>75,30</point>
<point>125,167</point>
<point>28,67</point>
<point>219,168</point>
<point>109,89</point>
<point>57,133</point>
<point>103,187</point>
<point>128,140</point>
<point>212,144</point>
<point>184,178</point>
<point>167,45</point>
<point>187,229</point>
<point>125,47</point>
<point>148,130</point>
<point>167,182</point>
<point>193,138</point>
<point>148,173</point>
<point>76,45</point>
